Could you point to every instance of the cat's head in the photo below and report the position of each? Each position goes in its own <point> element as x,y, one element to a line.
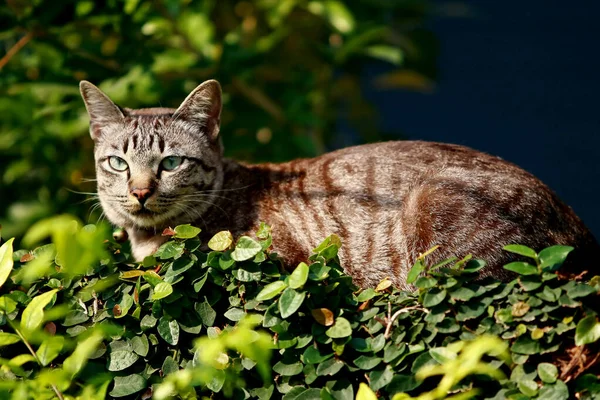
<point>156,167</point>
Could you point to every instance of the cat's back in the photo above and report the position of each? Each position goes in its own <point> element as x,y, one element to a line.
<point>391,201</point>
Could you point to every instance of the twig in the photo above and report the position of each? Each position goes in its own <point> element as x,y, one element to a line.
<point>390,320</point>
<point>15,49</point>
<point>259,98</point>
<point>56,391</point>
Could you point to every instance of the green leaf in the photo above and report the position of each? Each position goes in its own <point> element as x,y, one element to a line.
<point>221,241</point>
<point>290,301</point>
<point>442,354</point>
<point>170,250</point>
<point>381,377</point>
<point>169,366</point>
<point>528,387</point>
<point>285,369</point>
<point>340,329</point>
<point>84,350</point>
<point>206,313</point>
<point>424,282</point>
<point>526,345</point>
<point>140,345</point>
<point>168,330</point>
<point>415,271</point>
<point>313,356</point>
<point>339,16</point>
<point>6,260</point>
<point>186,231</point>
<point>587,331</point>
<point>554,256</point>
<point>245,249</point>
<point>547,372</point>
<point>147,322</point>
<point>152,278</point>
<point>521,250</point>
<point>33,315</point>
<point>271,290</point>
<point>299,276</point>
<point>522,268</point>
<point>330,367</point>
<point>234,314</point>
<point>162,290</point>
<point>434,297</point>
<point>121,359</point>
<point>8,338</point>
<point>580,290</point>
<point>367,362</point>
<point>556,391</point>
<point>7,305</point>
<point>50,349</point>
<point>127,385</point>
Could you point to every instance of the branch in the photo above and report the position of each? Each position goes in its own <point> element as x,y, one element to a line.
<point>259,98</point>
<point>390,320</point>
<point>33,353</point>
<point>15,49</point>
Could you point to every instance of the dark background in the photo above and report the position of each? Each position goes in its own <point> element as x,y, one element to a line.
<point>518,79</point>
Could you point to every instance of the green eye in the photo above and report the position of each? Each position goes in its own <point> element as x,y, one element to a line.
<point>171,163</point>
<point>117,163</point>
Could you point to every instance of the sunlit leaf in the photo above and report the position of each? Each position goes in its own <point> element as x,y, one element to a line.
<point>33,315</point>
<point>6,260</point>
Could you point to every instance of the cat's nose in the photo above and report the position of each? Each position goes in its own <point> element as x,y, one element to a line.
<point>142,194</point>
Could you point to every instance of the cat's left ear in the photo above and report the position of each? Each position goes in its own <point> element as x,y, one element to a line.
<point>203,107</point>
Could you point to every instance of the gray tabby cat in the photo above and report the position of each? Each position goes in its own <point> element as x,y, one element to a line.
<point>161,167</point>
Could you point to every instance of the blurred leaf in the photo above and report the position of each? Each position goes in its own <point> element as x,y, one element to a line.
<point>6,260</point>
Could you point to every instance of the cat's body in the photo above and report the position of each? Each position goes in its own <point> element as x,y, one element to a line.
<point>387,201</point>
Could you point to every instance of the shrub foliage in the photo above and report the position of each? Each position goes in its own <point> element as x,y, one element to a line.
<point>78,319</point>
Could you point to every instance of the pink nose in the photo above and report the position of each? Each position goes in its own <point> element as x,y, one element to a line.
<point>142,194</point>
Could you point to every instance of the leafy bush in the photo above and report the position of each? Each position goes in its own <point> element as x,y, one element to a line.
<point>291,72</point>
<point>79,320</point>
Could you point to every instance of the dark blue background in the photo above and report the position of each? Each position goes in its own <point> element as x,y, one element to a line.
<point>518,79</point>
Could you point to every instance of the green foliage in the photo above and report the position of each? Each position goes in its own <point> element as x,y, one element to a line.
<point>191,323</point>
<point>288,69</point>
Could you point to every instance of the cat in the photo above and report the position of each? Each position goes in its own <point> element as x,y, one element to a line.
<point>388,202</point>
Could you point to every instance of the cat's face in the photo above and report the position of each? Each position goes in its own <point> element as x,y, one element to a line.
<point>156,167</point>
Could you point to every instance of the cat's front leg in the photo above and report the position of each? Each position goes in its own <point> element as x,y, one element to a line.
<point>144,243</point>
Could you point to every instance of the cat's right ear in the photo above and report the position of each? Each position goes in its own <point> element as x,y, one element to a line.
<point>101,109</point>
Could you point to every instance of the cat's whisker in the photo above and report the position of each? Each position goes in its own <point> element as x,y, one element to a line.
<point>212,204</point>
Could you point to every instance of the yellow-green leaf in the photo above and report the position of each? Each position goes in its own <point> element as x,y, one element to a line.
<point>365,393</point>
<point>221,241</point>
<point>132,274</point>
<point>82,353</point>
<point>33,315</point>
<point>299,276</point>
<point>21,359</point>
<point>8,338</point>
<point>6,260</point>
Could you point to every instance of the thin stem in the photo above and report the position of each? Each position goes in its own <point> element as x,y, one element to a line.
<point>56,391</point>
<point>15,49</point>
<point>391,319</point>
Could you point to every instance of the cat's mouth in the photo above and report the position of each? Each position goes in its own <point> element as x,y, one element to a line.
<point>143,212</point>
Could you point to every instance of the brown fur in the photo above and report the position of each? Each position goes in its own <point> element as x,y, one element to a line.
<point>394,205</point>
<point>388,202</point>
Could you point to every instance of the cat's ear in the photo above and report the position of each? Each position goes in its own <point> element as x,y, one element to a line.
<point>100,107</point>
<point>203,107</point>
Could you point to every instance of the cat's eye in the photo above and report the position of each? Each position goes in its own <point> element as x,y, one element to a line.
<point>171,163</point>
<point>117,163</point>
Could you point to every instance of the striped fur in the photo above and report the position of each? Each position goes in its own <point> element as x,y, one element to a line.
<point>387,201</point>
